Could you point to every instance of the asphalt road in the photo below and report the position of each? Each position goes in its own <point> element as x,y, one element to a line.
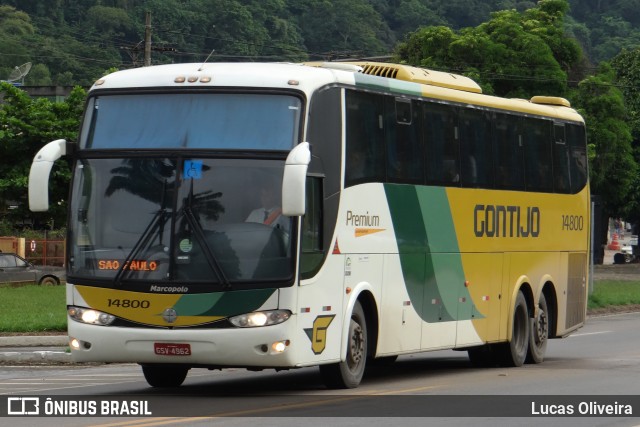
<point>600,363</point>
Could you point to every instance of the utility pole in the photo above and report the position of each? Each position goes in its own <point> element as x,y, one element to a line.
<point>134,51</point>
<point>147,40</point>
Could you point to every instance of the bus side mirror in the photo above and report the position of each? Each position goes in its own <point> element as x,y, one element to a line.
<point>39,174</point>
<point>295,179</point>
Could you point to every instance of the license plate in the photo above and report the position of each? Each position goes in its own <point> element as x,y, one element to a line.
<point>169,349</point>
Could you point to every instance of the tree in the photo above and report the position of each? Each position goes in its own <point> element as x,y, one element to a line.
<point>514,54</point>
<point>109,21</point>
<point>14,25</point>
<point>613,168</point>
<point>39,76</point>
<point>14,22</point>
<point>27,125</point>
<point>411,14</point>
<point>627,71</point>
<point>351,28</point>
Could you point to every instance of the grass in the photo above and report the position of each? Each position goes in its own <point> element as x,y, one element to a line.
<point>33,308</point>
<point>614,293</point>
<point>37,309</point>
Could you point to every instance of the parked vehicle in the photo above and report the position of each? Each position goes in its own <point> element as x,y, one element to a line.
<point>15,269</point>
<point>626,254</point>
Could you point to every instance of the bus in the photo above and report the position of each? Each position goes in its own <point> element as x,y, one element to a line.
<point>405,211</point>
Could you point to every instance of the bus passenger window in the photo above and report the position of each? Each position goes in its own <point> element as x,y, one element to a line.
<point>365,138</point>
<point>404,145</point>
<point>578,159</point>
<point>536,136</point>
<point>475,149</point>
<point>508,152</point>
<point>561,178</point>
<point>441,144</point>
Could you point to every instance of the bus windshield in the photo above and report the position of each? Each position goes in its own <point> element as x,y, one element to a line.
<point>238,121</point>
<point>180,220</point>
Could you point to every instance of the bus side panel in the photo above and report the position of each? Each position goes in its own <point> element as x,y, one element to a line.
<point>576,290</point>
<point>483,279</point>
<point>400,323</point>
<point>319,314</point>
<point>572,296</point>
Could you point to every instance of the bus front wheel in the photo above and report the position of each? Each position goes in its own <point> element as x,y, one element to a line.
<point>539,333</point>
<point>164,375</point>
<point>349,373</point>
<point>514,352</point>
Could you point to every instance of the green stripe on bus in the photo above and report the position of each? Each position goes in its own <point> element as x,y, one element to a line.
<point>222,303</point>
<point>428,251</point>
<point>391,85</point>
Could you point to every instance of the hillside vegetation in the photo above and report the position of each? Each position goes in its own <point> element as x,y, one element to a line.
<point>75,41</point>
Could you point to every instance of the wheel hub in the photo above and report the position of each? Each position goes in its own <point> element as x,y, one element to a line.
<point>356,346</point>
<point>542,326</point>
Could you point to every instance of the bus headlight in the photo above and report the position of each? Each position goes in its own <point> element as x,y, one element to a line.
<point>92,317</point>
<point>260,318</point>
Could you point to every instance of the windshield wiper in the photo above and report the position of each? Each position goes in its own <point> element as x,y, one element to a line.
<point>202,240</point>
<point>156,222</point>
<point>208,254</point>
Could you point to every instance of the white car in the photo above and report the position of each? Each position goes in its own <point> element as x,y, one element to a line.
<point>627,249</point>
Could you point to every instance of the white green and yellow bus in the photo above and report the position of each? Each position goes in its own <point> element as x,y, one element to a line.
<point>411,213</point>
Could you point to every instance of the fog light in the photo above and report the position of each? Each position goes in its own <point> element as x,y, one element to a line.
<point>74,344</point>
<point>280,346</point>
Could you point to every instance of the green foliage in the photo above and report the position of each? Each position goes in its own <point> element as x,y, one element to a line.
<point>27,125</point>
<point>613,168</point>
<point>609,26</point>
<point>345,27</point>
<point>14,22</point>
<point>75,40</point>
<point>514,54</point>
<point>627,72</point>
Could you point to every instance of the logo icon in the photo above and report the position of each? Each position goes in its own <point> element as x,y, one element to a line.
<point>23,406</point>
<point>318,334</point>
<point>169,315</point>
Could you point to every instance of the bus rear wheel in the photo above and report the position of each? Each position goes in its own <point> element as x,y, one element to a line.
<point>539,334</point>
<point>349,373</point>
<point>164,375</point>
<point>514,352</point>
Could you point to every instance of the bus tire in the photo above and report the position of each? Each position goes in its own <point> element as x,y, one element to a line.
<point>514,352</point>
<point>539,333</point>
<point>349,373</point>
<point>164,375</point>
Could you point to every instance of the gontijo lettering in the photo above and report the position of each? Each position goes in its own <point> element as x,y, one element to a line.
<point>506,221</point>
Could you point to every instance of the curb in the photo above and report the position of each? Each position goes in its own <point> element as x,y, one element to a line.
<point>35,357</point>
<point>35,341</point>
<point>24,349</point>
